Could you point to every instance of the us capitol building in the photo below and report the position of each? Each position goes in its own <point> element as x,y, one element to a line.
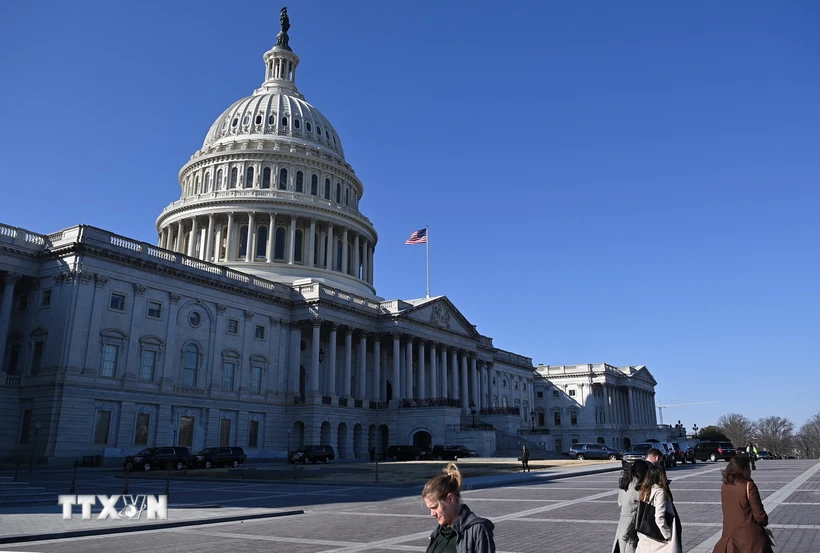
<point>254,322</point>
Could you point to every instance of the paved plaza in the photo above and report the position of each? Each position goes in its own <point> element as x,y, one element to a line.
<point>532,514</point>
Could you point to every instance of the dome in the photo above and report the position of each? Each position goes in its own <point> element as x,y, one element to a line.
<point>275,114</point>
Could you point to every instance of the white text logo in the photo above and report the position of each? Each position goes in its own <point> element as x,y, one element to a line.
<point>116,506</point>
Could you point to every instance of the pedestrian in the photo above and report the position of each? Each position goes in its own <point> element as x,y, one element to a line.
<point>459,529</point>
<point>626,536</point>
<point>751,451</point>
<point>744,517</point>
<point>655,457</point>
<point>525,459</point>
<point>655,492</point>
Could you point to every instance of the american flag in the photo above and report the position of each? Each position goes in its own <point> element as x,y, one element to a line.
<point>418,237</point>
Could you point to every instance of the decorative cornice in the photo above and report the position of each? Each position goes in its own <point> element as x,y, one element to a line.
<point>174,297</point>
<point>139,289</point>
<point>249,315</point>
<point>221,307</point>
<point>100,281</point>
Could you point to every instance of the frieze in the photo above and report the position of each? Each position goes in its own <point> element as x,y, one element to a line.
<point>440,315</point>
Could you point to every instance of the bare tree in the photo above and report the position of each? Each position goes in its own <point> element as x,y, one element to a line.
<point>808,438</point>
<point>736,427</point>
<point>776,435</point>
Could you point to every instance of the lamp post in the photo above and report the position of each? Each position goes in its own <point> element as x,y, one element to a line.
<point>472,412</point>
<point>694,431</point>
<point>532,418</point>
<point>37,427</point>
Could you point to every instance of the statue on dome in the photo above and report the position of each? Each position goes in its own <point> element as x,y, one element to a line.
<point>282,37</point>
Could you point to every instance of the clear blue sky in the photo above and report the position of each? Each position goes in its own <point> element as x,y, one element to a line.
<point>625,182</point>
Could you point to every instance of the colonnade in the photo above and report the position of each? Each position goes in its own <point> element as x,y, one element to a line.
<point>627,405</point>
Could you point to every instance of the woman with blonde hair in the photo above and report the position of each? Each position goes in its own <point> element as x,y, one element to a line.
<point>744,517</point>
<point>459,529</point>
<point>655,492</point>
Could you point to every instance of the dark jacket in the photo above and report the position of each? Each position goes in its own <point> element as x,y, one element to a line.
<point>473,534</point>
<point>743,518</point>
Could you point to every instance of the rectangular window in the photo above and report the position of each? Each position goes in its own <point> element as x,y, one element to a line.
<point>572,393</point>
<point>256,380</point>
<point>117,302</point>
<point>556,418</point>
<point>102,426</point>
<point>22,303</point>
<point>25,427</point>
<point>253,434</point>
<point>541,419</point>
<point>540,395</point>
<point>233,326</point>
<point>148,365</point>
<point>154,310</point>
<point>186,431</point>
<point>141,430</point>
<point>45,298</point>
<point>225,433</point>
<point>228,369</point>
<point>37,357</point>
<point>555,393</point>
<point>573,418</point>
<point>14,359</point>
<point>259,332</point>
<point>111,353</point>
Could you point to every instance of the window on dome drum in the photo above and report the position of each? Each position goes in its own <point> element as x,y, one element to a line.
<point>283,179</point>
<point>190,365</point>
<point>207,182</point>
<point>219,180</point>
<point>338,266</point>
<point>338,193</point>
<point>243,241</point>
<point>347,196</point>
<point>307,126</point>
<point>297,247</point>
<point>334,139</point>
<point>246,120</point>
<point>284,121</point>
<point>314,185</point>
<point>319,131</point>
<point>300,179</point>
<point>327,189</point>
<point>249,177</point>
<point>196,186</point>
<point>261,241</point>
<point>271,119</point>
<point>266,177</point>
<point>235,122</point>
<point>296,124</point>
<point>327,136</point>
<point>258,120</point>
<point>234,174</point>
<point>279,244</point>
<point>316,250</point>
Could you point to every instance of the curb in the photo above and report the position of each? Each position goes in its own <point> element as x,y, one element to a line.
<point>141,527</point>
<point>493,481</point>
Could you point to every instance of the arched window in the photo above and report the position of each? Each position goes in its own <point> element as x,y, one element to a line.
<point>196,186</point>
<point>261,241</point>
<point>319,131</point>
<point>297,247</point>
<point>258,120</point>
<point>207,182</point>
<point>266,178</point>
<point>234,173</point>
<point>284,121</point>
<point>249,178</point>
<point>300,181</point>
<point>503,401</point>
<point>219,180</point>
<point>190,365</point>
<point>327,189</point>
<point>279,245</point>
<point>296,124</point>
<point>245,121</point>
<point>347,196</point>
<point>307,125</point>
<point>338,193</point>
<point>243,241</point>
<point>314,185</point>
<point>283,179</point>
<point>271,119</point>
<point>338,266</point>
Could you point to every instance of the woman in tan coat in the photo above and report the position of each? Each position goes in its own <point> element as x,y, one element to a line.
<point>743,514</point>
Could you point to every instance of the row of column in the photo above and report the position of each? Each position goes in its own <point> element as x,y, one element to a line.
<point>630,406</point>
<point>218,240</point>
<point>6,304</point>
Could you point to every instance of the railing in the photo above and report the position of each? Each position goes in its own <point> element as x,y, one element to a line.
<point>298,400</point>
<point>12,381</point>
<point>189,390</point>
<point>471,427</point>
<point>379,404</point>
<point>342,402</point>
<point>544,431</point>
<point>358,403</point>
<point>430,402</point>
<point>500,411</point>
<point>327,400</point>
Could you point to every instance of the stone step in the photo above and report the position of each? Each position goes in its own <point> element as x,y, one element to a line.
<point>30,501</point>
<point>40,492</point>
<point>13,484</point>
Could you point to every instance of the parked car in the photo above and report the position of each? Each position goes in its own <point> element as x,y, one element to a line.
<point>683,453</point>
<point>406,453</point>
<point>449,452</point>
<point>312,454</point>
<point>158,458</point>
<point>467,452</point>
<point>636,452</point>
<point>764,454</point>
<point>668,451</point>
<point>218,457</point>
<point>595,451</point>
<point>714,451</point>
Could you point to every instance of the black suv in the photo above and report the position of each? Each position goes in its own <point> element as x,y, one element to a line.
<point>636,452</point>
<point>683,453</point>
<point>312,454</point>
<point>714,451</point>
<point>158,458</point>
<point>218,457</point>
<point>594,451</point>
<point>406,453</point>
<point>449,452</point>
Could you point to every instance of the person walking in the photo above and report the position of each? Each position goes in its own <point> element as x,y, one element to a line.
<point>744,518</point>
<point>626,537</point>
<point>655,492</point>
<point>751,451</point>
<point>525,459</point>
<point>459,529</point>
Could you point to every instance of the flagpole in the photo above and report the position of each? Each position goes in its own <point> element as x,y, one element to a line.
<point>428,259</point>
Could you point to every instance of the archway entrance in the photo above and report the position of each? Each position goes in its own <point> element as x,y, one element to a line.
<point>423,440</point>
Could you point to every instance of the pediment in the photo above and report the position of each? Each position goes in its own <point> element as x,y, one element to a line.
<point>442,313</point>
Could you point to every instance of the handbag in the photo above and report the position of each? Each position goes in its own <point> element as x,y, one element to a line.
<point>645,522</point>
<point>765,529</point>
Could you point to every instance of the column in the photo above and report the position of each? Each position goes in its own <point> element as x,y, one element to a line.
<point>377,377</point>
<point>271,238</point>
<point>422,388</point>
<point>344,251</point>
<point>361,379</point>
<point>6,305</point>
<point>192,238</point>
<point>454,374</point>
<point>178,244</point>
<point>465,385</point>
<point>654,411</point>
<point>329,265</point>
<point>321,246</point>
<point>206,255</point>
<point>250,250</point>
<point>370,264</point>
<point>348,368</point>
<point>474,379</point>
<point>433,372</point>
<point>315,346</point>
<point>408,368</point>
<point>396,366</point>
<point>295,343</point>
<point>312,243</point>
<point>229,240</point>
<point>292,239</point>
<point>331,365</point>
<point>356,255</point>
<point>630,414</point>
<point>484,386</point>
<point>445,392</point>
<point>365,264</point>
